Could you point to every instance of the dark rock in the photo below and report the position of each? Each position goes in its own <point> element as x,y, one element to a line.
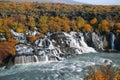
<point>117,42</point>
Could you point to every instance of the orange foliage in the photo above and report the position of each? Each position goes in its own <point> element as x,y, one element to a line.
<point>104,25</point>
<point>73,25</point>
<point>87,28</point>
<point>118,25</point>
<point>93,21</point>
<point>111,24</point>
<point>103,73</point>
<point>14,4</point>
<point>7,48</point>
<point>56,24</point>
<point>33,38</point>
<point>6,5</point>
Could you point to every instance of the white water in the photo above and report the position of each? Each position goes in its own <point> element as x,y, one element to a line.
<point>79,43</point>
<point>36,58</point>
<point>16,34</point>
<point>71,68</point>
<point>51,48</point>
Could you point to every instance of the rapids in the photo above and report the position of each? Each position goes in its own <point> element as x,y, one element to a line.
<point>57,56</point>
<point>72,68</point>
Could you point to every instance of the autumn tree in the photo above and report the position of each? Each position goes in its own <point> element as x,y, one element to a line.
<point>80,22</point>
<point>1,25</point>
<point>14,4</point>
<point>32,39</point>
<point>55,24</point>
<point>117,27</point>
<point>73,25</point>
<point>6,26</point>
<point>7,48</point>
<point>94,23</point>
<point>43,24</point>
<point>19,18</point>
<point>87,28</point>
<point>31,23</point>
<point>21,28</point>
<point>65,24</point>
<point>104,26</point>
<point>103,73</point>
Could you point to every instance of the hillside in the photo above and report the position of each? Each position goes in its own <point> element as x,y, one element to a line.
<point>92,2</point>
<point>49,1</point>
<point>33,20</point>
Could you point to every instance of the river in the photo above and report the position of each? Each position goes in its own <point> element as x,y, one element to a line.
<point>72,68</point>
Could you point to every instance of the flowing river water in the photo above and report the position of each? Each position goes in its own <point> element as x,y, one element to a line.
<point>71,68</point>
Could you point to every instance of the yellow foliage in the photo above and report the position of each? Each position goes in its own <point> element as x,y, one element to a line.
<point>43,28</point>
<point>20,28</point>
<point>31,23</point>
<point>66,28</point>
<point>80,22</point>
<point>87,28</point>
<point>1,22</point>
<point>93,21</point>
<point>104,25</point>
<point>118,25</point>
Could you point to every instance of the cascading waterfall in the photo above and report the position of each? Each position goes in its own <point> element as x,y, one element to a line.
<point>112,38</point>
<point>54,47</point>
<point>30,59</point>
<point>79,43</point>
<point>36,58</point>
<point>46,58</point>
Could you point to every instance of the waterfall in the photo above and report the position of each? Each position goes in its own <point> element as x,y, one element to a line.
<point>78,43</point>
<point>53,47</point>
<point>112,38</point>
<point>36,58</point>
<point>29,59</point>
<point>83,44</point>
<point>46,58</point>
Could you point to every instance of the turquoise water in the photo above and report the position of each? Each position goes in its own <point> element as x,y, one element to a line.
<point>71,68</point>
